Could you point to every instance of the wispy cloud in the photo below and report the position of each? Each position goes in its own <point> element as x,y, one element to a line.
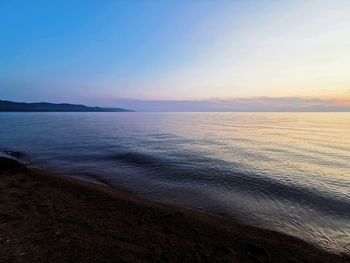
<point>283,104</point>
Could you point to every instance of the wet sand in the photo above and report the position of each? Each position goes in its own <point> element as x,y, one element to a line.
<point>52,218</point>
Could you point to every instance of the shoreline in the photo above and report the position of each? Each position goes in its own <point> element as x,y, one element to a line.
<point>51,218</point>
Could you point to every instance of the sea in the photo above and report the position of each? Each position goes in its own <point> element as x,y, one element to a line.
<point>288,172</point>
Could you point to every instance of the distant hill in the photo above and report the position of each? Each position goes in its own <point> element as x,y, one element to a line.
<point>10,106</point>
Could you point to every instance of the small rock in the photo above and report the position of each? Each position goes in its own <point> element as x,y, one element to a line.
<point>10,165</point>
<point>255,250</point>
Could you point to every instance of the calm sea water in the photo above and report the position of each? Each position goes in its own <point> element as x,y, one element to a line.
<point>284,171</point>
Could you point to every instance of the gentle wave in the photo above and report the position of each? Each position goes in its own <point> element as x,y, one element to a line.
<point>285,171</point>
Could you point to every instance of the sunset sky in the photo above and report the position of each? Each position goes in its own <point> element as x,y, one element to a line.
<point>139,53</point>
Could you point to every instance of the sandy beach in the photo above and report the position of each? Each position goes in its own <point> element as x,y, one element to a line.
<point>52,218</point>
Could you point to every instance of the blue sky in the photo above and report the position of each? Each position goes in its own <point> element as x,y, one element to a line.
<point>99,52</point>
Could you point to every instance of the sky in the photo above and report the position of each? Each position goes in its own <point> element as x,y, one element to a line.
<point>178,55</point>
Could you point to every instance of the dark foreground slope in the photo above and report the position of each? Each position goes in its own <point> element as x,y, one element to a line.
<point>9,106</point>
<point>48,218</point>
